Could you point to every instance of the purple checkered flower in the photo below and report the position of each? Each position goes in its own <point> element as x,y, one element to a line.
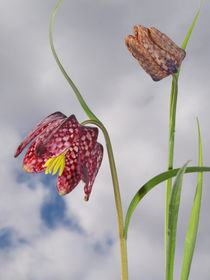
<point>63,144</point>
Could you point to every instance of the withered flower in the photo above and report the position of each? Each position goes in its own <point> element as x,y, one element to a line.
<point>158,55</point>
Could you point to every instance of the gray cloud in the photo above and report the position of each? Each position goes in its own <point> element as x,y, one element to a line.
<point>89,39</point>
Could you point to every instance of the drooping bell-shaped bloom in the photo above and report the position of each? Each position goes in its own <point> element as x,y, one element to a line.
<point>158,55</point>
<point>65,145</point>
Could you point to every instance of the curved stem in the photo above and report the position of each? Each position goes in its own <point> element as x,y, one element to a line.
<point>96,121</point>
<point>82,102</point>
<point>123,242</point>
<point>172,122</point>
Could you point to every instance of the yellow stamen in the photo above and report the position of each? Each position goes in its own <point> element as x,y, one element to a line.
<point>62,167</point>
<point>50,164</point>
<point>57,165</point>
<point>53,164</point>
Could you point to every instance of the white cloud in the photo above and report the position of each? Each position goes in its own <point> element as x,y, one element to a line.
<point>89,38</point>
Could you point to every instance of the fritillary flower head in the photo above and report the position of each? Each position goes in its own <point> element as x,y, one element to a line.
<point>63,145</point>
<point>158,55</point>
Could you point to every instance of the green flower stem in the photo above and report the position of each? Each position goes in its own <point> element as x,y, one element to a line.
<point>82,102</point>
<point>172,122</point>
<point>94,120</point>
<point>122,239</point>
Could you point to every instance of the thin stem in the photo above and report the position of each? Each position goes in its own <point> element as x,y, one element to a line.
<point>122,239</point>
<point>172,122</point>
<point>96,121</point>
<point>82,102</point>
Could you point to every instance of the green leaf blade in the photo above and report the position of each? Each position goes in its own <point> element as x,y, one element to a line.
<point>149,185</point>
<point>192,230</point>
<point>172,222</point>
<point>187,37</point>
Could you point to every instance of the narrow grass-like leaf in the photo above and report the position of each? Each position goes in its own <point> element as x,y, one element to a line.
<point>172,121</point>
<point>187,37</point>
<point>172,221</point>
<point>149,185</point>
<point>194,219</point>
<point>184,44</point>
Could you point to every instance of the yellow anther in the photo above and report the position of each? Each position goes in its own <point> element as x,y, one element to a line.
<point>53,164</point>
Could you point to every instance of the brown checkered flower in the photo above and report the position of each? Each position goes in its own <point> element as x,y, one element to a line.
<point>65,145</point>
<point>158,55</point>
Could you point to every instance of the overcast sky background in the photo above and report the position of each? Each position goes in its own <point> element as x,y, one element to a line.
<point>47,237</point>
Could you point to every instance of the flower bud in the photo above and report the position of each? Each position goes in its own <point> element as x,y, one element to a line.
<point>158,55</point>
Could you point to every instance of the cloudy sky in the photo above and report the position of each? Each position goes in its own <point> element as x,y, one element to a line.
<point>47,237</point>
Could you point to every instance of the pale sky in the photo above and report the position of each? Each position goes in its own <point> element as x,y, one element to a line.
<point>47,237</point>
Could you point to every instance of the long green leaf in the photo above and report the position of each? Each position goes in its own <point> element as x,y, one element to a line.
<point>172,222</point>
<point>194,219</point>
<point>149,185</point>
<point>187,37</point>
<point>172,121</point>
<point>184,44</point>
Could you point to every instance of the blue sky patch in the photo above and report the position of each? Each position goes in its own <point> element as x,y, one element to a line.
<point>53,213</point>
<point>6,238</point>
<point>21,176</point>
<point>9,238</point>
<point>103,247</point>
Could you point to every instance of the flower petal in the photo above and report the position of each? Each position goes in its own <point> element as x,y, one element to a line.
<point>54,141</point>
<point>165,43</point>
<point>38,129</point>
<point>90,169</point>
<point>158,55</point>
<point>88,138</point>
<point>140,47</point>
<point>31,163</point>
<point>70,176</point>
